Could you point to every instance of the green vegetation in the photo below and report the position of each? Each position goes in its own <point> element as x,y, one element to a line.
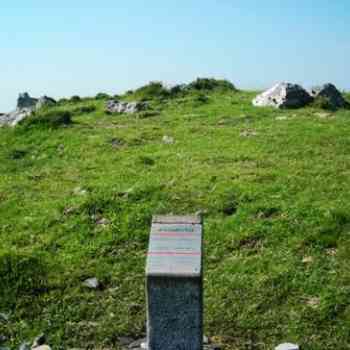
<point>274,188</point>
<point>48,117</point>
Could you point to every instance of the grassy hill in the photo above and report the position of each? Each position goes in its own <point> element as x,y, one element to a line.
<point>76,202</point>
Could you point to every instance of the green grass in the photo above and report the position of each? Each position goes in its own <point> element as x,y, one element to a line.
<point>274,189</point>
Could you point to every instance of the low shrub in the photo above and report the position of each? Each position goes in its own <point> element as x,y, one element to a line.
<point>75,99</point>
<point>48,118</point>
<point>102,96</point>
<point>151,91</point>
<point>84,109</point>
<point>211,84</point>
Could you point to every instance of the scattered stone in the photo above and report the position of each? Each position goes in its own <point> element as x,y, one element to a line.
<point>331,94</point>
<point>137,343</point>
<point>281,118</point>
<point>283,95</point>
<point>116,143</point>
<point>24,346</point>
<point>2,338</point>
<point>125,107</point>
<point>324,115</point>
<point>103,222</point>
<point>168,140</point>
<point>308,259</point>
<point>4,317</point>
<point>125,341</point>
<point>44,101</point>
<point>42,347</point>
<point>79,191</point>
<point>313,302</point>
<point>248,133</point>
<point>91,283</point>
<point>287,346</point>
<point>39,340</point>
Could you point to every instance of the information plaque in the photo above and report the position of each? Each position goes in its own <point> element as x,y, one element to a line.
<point>174,284</point>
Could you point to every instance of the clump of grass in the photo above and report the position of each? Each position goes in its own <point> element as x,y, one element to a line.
<point>22,275</point>
<point>323,102</point>
<point>84,109</point>
<point>50,118</point>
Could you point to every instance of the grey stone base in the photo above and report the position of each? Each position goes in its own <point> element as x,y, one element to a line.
<point>141,345</point>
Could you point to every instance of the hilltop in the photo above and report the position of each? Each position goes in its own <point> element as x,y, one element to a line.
<point>79,186</point>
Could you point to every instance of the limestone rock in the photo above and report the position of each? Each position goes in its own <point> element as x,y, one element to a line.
<point>44,101</point>
<point>42,347</point>
<point>125,107</point>
<point>25,101</point>
<point>91,283</point>
<point>24,346</point>
<point>287,346</point>
<point>332,95</point>
<point>39,340</point>
<point>26,105</point>
<point>283,95</point>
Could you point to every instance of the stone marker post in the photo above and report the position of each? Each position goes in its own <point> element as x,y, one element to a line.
<point>174,284</point>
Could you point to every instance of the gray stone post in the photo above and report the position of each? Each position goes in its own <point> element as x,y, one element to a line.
<point>174,284</point>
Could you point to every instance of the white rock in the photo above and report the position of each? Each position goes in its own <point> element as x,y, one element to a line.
<point>42,347</point>
<point>91,283</point>
<point>168,140</point>
<point>283,95</point>
<point>287,346</point>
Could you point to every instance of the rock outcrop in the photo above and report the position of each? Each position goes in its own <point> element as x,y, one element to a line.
<point>125,107</point>
<point>284,95</point>
<point>26,105</point>
<point>330,95</point>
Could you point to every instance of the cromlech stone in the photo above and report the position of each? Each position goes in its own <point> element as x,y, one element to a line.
<point>174,284</point>
<point>283,95</point>
<point>125,107</point>
<point>26,105</point>
<point>331,94</point>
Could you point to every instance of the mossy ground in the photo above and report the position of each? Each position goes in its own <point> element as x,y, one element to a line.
<point>274,188</point>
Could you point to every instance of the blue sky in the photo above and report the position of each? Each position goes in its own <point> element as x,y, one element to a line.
<point>61,48</point>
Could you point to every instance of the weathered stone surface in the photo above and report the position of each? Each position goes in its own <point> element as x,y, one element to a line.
<point>25,101</point>
<point>44,101</point>
<point>25,106</point>
<point>283,95</point>
<point>333,96</point>
<point>39,340</point>
<point>42,347</point>
<point>24,346</point>
<point>92,283</point>
<point>287,346</point>
<point>125,107</point>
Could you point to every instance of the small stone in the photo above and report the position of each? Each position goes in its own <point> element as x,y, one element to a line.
<point>313,302</point>
<point>2,338</point>
<point>24,346</point>
<point>281,118</point>
<point>308,259</point>
<point>39,340</point>
<point>91,283</point>
<point>42,347</point>
<point>103,222</point>
<point>137,343</point>
<point>248,133</point>
<point>125,341</point>
<point>4,317</point>
<point>79,191</point>
<point>287,346</point>
<point>168,140</point>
